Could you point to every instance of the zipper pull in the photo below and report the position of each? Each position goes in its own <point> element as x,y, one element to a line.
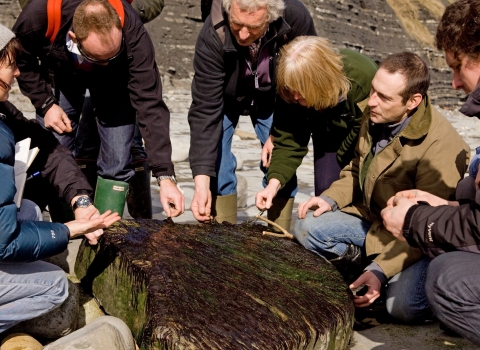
<point>255,74</point>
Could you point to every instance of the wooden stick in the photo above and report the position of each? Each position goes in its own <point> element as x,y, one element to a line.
<point>284,234</point>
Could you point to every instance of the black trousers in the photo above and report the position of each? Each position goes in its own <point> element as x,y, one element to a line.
<point>453,291</point>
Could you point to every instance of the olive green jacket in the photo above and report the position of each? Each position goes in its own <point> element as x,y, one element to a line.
<point>333,130</point>
<point>428,155</point>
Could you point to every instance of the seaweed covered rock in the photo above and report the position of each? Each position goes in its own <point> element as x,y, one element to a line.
<point>216,286</point>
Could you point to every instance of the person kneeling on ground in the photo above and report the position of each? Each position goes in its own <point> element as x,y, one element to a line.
<point>30,288</point>
<point>448,231</point>
<point>403,143</point>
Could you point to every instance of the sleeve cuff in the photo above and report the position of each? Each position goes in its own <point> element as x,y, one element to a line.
<point>377,271</point>
<point>330,202</point>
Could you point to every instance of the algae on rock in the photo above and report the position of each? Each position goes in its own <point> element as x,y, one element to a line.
<point>216,286</point>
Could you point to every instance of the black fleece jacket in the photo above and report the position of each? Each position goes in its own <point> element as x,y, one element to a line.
<point>54,161</point>
<point>137,64</point>
<point>216,89</point>
<point>437,230</point>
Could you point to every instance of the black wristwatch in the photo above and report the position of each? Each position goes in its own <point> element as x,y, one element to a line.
<point>82,202</point>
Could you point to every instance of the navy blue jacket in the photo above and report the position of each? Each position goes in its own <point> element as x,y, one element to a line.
<point>28,240</point>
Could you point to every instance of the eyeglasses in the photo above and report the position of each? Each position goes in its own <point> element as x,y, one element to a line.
<point>96,60</point>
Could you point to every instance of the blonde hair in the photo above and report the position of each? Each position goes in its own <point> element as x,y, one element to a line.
<point>312,67</point>
<point>274,7</point>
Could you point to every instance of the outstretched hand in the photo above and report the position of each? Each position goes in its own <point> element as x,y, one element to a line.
<point>92,227</point>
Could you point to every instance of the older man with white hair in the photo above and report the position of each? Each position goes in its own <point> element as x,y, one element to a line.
<point>234,76</point>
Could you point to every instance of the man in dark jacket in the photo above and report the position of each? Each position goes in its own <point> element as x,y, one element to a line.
<point>235,77</point>
<point>117,64</point>
<point>31,288</point>
<point>448,231</point>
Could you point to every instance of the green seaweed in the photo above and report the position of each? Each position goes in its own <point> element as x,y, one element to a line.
<point>217,286</point>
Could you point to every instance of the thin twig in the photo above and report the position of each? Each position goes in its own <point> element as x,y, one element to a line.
<point>284,234</point>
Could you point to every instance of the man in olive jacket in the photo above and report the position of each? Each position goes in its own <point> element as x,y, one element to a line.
<point>403,143</point>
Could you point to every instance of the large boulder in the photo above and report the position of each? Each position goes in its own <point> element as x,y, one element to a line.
<point>216,286</point>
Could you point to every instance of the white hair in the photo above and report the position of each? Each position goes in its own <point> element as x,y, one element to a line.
<point>274,7</point>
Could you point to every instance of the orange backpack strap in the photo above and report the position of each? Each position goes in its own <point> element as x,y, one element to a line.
<point>54,17</point>
<point>118,6</point>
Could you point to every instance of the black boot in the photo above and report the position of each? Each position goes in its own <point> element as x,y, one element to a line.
<point>139,198</point>
<point>349,264</point>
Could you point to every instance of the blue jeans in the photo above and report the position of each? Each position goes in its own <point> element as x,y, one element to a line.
<point>329,235</point>
<point>406,297</point>
<point>29,211</point>
<point>28,290</point>
<point>115,127</point>
<point>226,181</point>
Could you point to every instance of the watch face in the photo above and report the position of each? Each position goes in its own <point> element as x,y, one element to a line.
<point>83,202</point>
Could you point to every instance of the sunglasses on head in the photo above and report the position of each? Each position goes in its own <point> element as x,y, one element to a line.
<point>96,60</point>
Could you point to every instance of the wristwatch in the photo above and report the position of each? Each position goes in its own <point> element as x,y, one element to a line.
<point>167,177</point>
<point>82,202</point>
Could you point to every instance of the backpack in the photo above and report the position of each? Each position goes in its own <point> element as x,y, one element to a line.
<point>54,16</point>
<point>214,9</point>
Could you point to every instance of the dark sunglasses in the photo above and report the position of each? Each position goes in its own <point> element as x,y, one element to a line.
<point>96,60</point>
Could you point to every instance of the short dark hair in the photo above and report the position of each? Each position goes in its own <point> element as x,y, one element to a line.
<point>458,31</point>
<point>10,53</point>
<point>413,68</point>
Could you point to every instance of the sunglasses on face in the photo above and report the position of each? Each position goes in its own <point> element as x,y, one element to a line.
<point>100,61</point>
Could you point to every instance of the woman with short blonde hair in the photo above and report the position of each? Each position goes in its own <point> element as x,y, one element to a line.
<point>312,67</point>
<point>321,93</point>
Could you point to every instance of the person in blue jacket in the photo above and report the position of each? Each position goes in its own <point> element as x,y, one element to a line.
<point>30,288</point>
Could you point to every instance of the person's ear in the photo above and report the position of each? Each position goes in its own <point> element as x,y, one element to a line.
<point>414,101</point>
<point>72,36</point>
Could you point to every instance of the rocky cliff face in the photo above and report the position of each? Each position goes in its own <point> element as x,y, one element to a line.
<point>369,26</point>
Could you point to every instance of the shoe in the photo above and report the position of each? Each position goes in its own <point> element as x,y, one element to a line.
<point>20,341</point>
<point>139,197</point>
<point>349,264</point>
<point>110,195</point>
<point>281,213</point>
<point>224,208</point>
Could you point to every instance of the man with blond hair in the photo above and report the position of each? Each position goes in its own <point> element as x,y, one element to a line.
<point>110,54</point>
<point>233,77</point>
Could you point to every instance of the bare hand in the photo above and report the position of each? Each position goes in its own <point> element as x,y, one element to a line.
<point>264,198</point>
<point>57,120</point>
<point>394,213</point>
<point>202,199</point>
<point>82,212</point>
<point>418,195</point>
<point>173,201</point>
<point>267,151</point>
<point>92,228</point>
<point>315,203</point>
<point>369,279</point>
